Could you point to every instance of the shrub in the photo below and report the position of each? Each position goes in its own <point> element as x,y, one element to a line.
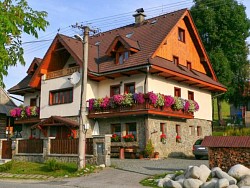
<point>7,166</point>
<point>149,149</point>
<point>53,165</point>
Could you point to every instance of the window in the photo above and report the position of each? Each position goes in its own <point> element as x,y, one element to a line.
<point>190,95</point>
<point>131,129</point>
<point>33,102</point>
<point>114,90</point>
<point>191,131</point>
<point>199,131</point>
<point>177,92</point>
<point>178,130</point>
<point>189,65</point>
<point>176,60</point>
<point>116,129</point>
<point>163,128</point>
<point>52,131</point>
<point>129,88</point>
<point>121,57</point>
<point>61,96</point>
<point>181,35</point>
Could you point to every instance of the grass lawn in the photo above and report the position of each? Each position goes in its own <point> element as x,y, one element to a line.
<point>51,168</point>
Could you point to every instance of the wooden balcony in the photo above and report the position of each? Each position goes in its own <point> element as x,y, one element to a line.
<point>139,109</point>
<point>62,72</point>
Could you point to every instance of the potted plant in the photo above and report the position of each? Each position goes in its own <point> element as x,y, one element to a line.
<point>163,138</point>
<point>156,155</point>
<point>149,149</point>
<point>178,139</point>
<point>141,154</point>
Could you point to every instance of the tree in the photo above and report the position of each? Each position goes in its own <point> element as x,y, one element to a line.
<point>16,17</point>
<point>224,27</point>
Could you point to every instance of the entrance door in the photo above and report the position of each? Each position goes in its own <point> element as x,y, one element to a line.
<point>6,150</point>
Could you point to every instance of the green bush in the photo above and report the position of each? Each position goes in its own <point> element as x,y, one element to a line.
<point>53,165</point>
<point>237,132</point>
<point>7,166</point>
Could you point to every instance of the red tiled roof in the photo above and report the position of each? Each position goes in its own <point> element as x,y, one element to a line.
<point>226,141</point>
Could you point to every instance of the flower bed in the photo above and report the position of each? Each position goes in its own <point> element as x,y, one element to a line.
<point>25,111</point>
<point>155,99</point>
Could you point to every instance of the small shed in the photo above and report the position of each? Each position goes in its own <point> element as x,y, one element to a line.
<point>226,151</point>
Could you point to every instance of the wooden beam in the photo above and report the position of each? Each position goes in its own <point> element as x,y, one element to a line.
<point>194,84</point>
<point>145,72</point>
<point>167,77</point>
<point>109,77</point>
<point>183,80</point>
<point>52,124</point>
<point>124,74</point>
<point>60,49</point>
<point>153,73</point>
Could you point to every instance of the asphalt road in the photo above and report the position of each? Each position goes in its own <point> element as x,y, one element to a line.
<point>127,173</point>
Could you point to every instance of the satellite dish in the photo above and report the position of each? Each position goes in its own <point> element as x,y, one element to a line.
<point>75,78</point>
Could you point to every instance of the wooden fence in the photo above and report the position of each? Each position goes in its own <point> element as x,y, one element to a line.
<point>69,146</point>
<point>30,146</point>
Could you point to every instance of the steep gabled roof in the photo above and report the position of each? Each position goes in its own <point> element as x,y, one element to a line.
<point>146,38</point>
<point>23,85</point>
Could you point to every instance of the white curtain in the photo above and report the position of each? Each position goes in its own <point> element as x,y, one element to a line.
<point>96,129</point>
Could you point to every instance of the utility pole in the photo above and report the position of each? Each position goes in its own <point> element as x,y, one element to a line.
<point>82,111</point>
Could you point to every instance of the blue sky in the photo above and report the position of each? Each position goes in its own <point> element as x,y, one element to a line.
<point>99,14</point>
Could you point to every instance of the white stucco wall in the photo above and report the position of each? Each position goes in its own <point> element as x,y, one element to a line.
<point>69,109</point>
<point>203,97</point>
<point>104,86</point>
<point>29,96</point>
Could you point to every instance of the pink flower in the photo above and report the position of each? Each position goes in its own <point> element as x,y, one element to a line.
<point>91,104</point>
<point>168,100</point>
<point>152,97</point>
<point>139,98</point>
<point>28,111</point>
<point>105,102</point>
<point>118,99</point>
<point>13,112</point>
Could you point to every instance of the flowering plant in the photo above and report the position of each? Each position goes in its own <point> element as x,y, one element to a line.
<point>127,99</point>
<point>91,104</point>
<point>128,138</point>
<point>118,99</point>
<point>178,138</point>
<point>163,138</point>
<point>139,98</point>
<point>160,100</point>
<point>191,106</point>
<point>178,103</point>
<point>105,102</point>
<point>22,112</point>
<point>97,103</point>
<point>115,138</point>
<point>168,100</point>
<point>152,98</point>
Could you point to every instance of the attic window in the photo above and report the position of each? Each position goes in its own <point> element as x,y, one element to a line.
<point>129,35</point>
<point>181,35</point>
<point>121,57</point>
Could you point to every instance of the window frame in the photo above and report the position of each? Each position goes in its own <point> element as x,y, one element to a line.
<point>121,54</point>
<point>61,93</point>
<point>181,35</point>
<point>189,65</point>
<point>126,85</point>
<point>199,131</point>
<point>176,60</point>
<point>178,130</point>
<point>129,132</point>
<point>113,126</point>
<point>177,90</point>
<point>190,95</point>
<point>33,100</point>
<point>112,89</point>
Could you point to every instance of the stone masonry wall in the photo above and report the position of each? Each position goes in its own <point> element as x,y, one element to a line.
<point>188,133</point>
<point>227,157</point>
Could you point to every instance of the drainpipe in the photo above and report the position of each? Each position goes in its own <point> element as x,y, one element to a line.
<point>145,81</point>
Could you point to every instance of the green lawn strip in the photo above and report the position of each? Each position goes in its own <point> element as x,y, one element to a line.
<point>42,169</point>
<point>151,181</point>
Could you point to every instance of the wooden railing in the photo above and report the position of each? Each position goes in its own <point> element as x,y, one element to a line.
<point>30,146</point>
<point>62,72</point>
<point>69,146</point>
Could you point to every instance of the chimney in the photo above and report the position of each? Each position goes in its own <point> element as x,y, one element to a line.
<point>139,16</point>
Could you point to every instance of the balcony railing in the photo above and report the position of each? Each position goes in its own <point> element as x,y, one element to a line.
<point>62,72</point>
<point>138,109</point>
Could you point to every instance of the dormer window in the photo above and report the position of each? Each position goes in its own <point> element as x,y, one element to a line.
<point>121,48</point>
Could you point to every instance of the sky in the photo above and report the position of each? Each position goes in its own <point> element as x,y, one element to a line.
<point>97,14</point>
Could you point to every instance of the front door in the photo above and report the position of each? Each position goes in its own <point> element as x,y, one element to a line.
<point>6,150</point>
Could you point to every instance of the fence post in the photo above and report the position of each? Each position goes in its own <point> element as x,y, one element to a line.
<point>46,148</point>
<point>102,149</point>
